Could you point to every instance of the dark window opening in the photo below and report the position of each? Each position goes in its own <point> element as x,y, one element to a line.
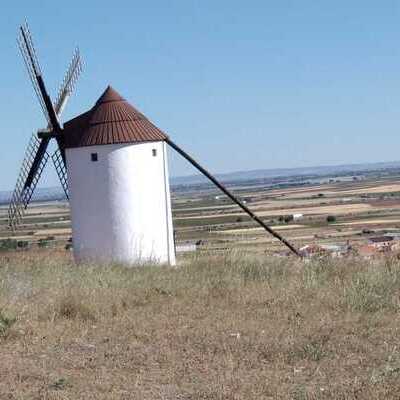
<point>93,157</point>
<point>154,151</point>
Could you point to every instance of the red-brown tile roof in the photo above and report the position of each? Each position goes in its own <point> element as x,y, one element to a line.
<point>112,120</point>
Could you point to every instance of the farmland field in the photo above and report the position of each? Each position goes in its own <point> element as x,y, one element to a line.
<point>360,208</point>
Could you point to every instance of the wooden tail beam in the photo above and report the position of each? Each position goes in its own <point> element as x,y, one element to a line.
<point>232,197</point>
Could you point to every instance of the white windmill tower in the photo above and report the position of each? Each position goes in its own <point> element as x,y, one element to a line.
<point>118,185</point>
<point>112,164</point>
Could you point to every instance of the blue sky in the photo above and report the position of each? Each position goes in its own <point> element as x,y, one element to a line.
<point>240,85</point>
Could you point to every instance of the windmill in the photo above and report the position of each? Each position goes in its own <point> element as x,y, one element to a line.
<point>117,181</point>
<point>119,187</point>
<point>36,155</point>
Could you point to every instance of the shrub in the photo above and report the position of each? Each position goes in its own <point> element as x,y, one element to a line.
<point>5,324</point>
<point>59,384</point>
<point>288,218</point>
<point>73,307</point>
<point>330,218</point>
<point>42,243</point>
<point>8,244</point>
<point>23,244</point>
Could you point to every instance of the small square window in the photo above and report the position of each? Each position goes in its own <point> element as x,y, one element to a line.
<point>93,157</point>
<point>154,151</point>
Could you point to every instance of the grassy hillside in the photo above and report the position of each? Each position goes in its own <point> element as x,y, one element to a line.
<point>229,327</point>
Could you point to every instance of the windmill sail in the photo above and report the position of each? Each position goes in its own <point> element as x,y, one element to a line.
<point>33,67</point>
<point>67,87</point>
<point>28,52</point>
<point>61,170</point>
<point>36,156</point>
<point>32,64</point>
<point>23,194</point>
<point>68,84</point>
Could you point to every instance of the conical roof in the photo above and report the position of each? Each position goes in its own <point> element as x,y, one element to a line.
<point>112,120</point>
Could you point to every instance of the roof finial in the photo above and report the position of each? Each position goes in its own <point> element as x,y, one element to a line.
<point>110,94</point>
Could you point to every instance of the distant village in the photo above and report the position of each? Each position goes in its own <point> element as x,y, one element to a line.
<point>386,244</point>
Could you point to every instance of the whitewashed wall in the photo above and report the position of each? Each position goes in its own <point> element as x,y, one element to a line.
<point>120,205</point>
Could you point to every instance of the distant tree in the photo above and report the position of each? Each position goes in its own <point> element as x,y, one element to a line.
<point>43,243</point>
<point>23,244</point>
<point>8,244</point>
<point>330,218</point>
<point>288,218</point>
<point>366,231</point>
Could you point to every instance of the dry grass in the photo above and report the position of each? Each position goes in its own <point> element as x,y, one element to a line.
<point>231,327</point>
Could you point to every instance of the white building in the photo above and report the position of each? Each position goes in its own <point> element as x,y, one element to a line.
<point>118,185</point>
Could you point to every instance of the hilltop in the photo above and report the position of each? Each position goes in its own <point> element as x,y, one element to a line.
<point>217,327</point>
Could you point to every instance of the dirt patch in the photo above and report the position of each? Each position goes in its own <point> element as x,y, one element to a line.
<point>369,222</point>
<point>56,231</point>
<point>334,209</point>
<point>374,189</point>
<point>258,229</point>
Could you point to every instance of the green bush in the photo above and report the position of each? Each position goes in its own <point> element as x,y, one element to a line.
<point>42,243</point>
<point>330,218</point>
<point>23,244</point>
<point>8,244</point>
<point>5,324</point>
<point>288,218</point>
